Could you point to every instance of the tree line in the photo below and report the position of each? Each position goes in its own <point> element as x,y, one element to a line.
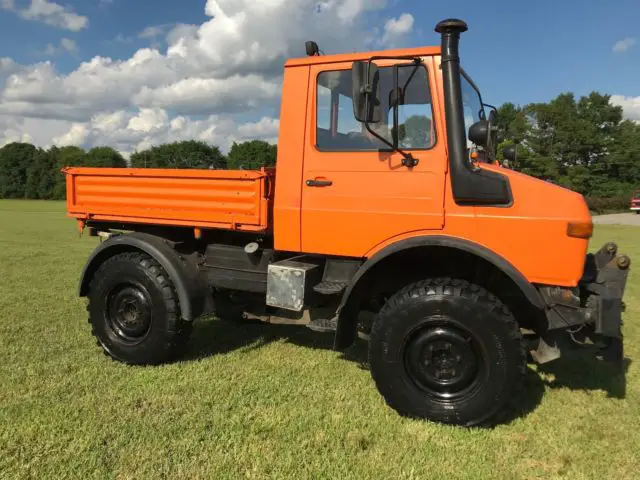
<point>35,173</point>
<point>583,144</point>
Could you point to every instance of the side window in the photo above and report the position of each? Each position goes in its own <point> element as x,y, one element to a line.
<point>415,115</point>
<point>338,130</point>
<point>472,106</point>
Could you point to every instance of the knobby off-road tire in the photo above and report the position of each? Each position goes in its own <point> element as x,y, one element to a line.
<point>449,351</point>
<point>134,311</point>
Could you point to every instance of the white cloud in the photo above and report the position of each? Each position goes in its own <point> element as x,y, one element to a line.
<point>69,45</point>
<point>77,135</point>
<point>624,45</point>
<point>181,30</point>
<point>121,38</point>
<point>630,106</point>
<point>66,45</point>
<point>37,131</point>
<point>131,131</point>
<point>50,13</point>
<point>147,120</point>
<point>201,95</point>
<point>151,34</point>
<point>8,66</point>
<point>153,31</point>
<point>395,29</point>
<point>349,10</point>
<point>230,64</point>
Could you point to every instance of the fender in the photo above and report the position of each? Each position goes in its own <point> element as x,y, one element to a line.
<point>344,336</point>
<point>190,287</point>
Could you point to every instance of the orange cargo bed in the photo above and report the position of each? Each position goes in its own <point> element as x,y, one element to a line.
<point>228,199</point>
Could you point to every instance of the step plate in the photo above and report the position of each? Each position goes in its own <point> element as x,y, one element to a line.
<point>330,288</point>
<point>323,325</point>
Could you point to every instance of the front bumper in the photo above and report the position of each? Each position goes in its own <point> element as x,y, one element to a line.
<point>603,283</point>
<point>591,314</point>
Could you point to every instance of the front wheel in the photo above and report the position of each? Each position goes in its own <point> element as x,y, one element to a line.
<point>447,350</point>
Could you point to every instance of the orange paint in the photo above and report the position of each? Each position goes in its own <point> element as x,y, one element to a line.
<point>195,198</point>
<point>372,202</point>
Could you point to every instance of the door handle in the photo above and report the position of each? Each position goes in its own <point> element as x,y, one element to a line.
<point>319,183</point>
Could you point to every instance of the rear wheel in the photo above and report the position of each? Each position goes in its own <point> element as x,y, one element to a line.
<point>134,310</point>
<point>447,350</point>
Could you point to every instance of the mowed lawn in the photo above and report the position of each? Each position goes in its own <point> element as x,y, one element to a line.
<point>259,401</point>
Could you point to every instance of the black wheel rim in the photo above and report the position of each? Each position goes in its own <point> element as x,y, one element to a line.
<point>129,312</point>
<point>442,359</point>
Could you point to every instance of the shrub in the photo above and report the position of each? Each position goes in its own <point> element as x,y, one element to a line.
<point>602,205</point>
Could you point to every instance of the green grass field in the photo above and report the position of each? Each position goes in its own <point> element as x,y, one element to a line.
<point>259,401</point>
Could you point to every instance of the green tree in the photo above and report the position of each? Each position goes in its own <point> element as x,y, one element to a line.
<point>40,175</point>
<point>187,154</point>
<point>15,159</point>
<point>513,123</point>
<point>65,157</point>
<point>105,157</point>
<point>252,155</point>
<point>623,162</point>
<point>571,142</point>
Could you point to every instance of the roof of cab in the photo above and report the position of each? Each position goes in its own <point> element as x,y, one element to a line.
<point>351,57</point>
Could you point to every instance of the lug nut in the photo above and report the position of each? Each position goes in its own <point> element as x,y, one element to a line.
<point>623,262</point>
<point>612,248</point>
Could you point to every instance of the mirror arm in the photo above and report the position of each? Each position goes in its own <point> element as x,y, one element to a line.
<point>408,160</point>
<point>395,132</point>
<point>491,107</point>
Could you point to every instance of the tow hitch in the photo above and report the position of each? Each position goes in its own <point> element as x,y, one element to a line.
<point>590,314</point>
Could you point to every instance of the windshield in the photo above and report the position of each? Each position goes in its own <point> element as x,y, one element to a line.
<point>471,103</point>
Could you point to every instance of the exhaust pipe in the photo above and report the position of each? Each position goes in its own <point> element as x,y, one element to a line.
<point>469,186</point>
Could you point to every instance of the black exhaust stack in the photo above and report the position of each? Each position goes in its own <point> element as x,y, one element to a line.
<point>470,186</point>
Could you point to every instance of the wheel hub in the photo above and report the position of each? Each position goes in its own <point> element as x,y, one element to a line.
<point>129,312</point>
<point>441,360</point>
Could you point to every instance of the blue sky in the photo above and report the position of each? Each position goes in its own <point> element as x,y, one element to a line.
<point>516,51</point>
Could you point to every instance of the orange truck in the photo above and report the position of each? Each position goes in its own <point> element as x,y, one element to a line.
<point>377,221</point>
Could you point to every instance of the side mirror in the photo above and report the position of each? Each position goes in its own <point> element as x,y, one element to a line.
<point>311,48</point>
<point>484,133</point>
<point>480,133</point>
<point>366,92</point>
<point>510,152</point>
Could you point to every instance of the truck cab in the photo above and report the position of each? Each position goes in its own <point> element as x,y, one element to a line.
<point>330,160</point>
<point>385,217</point>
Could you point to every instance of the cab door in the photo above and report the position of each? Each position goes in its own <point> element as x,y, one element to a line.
<point>356,193</point>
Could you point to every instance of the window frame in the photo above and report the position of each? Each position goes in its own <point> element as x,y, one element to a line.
<point>370,150</point>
